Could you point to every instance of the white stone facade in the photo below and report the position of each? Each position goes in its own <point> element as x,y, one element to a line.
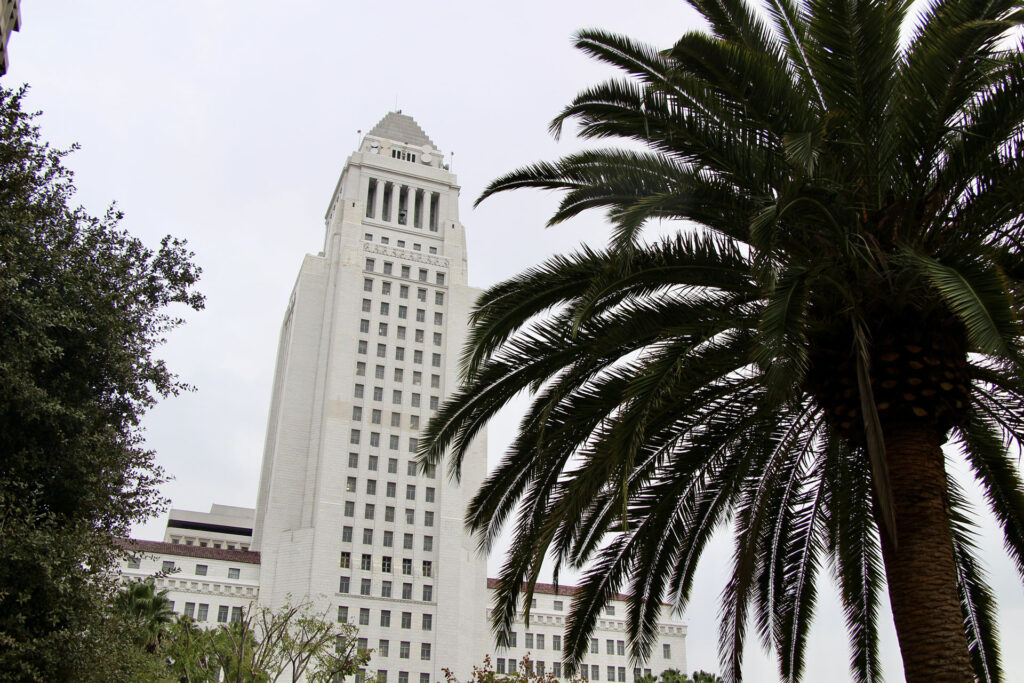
<point>369,348</point>
<point>609,659</point>
<point>211,585</point>
<point>224,526</point>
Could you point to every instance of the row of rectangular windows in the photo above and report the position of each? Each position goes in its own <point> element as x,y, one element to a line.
<point>168,567</point>
<point>400,332</point>
<point>202,613</point>
<point>403,291</point>
<point>398,375</point>
<point>416,246</point>
<point>362,348</point>
<point>403,154</point>
<point>345,561</point>
<point>426,620</point>
<point>405,272</point>
<point>386,592</point>
<point>403,311</point>
<point>389,537</point>
<point>386,565</point>
<point>391,488</point>
<point>560,606</point>
<point>412,468</point>
<point>592,672</point>
<point>382,675</point>
<point>363,345</point>
<point>535,641</point>
<point>370,509</point>
<point>403,651</point>
<point>377,417</point>
<point>356,435</point>
<point>428,520</point>
<point>366,584</point>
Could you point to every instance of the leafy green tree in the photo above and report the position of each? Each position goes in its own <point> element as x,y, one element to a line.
<point>239,657</point>
<point>842,298</point>
<point>147,612</point>
<point>704,677</point>
<point>188,653</point>
<point>83,308</point>
<point>290,643</point>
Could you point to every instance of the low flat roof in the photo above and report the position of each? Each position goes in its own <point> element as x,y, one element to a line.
<point>181,550</point>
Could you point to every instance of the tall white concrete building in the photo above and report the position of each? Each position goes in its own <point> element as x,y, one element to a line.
<point>369,348</point>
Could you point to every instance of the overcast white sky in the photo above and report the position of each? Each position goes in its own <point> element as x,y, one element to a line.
<point>227,123</point>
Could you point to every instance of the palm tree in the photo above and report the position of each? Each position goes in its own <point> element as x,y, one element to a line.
<point>147,610</point>
<point>842,298</point>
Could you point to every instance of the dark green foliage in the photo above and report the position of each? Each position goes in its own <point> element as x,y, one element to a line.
<point>847,268</point>
<point>82,310</point>
<point>146,611</point>
<point>291,643</point>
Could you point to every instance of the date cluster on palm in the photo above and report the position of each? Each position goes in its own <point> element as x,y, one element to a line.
<point>917,375</point>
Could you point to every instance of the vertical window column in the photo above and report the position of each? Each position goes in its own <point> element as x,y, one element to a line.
<point>371,198</point>
<point>387,202</point>
<point>417,210</point>
<point>403,205</point>
<point>435,210</point>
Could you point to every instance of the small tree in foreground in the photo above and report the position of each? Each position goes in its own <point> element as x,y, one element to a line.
<point>147,612</point>
<point>266,646</point>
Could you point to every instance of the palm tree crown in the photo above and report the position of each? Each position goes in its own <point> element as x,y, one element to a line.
<point>842,298</point>
<point>147,610</point>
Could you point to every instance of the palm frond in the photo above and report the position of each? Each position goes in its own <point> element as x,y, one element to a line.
<point>976,599</point>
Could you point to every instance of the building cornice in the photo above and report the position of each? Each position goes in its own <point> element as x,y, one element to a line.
<point>163,548</point>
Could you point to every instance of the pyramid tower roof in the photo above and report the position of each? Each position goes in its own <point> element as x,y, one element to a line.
<point>401,128</point>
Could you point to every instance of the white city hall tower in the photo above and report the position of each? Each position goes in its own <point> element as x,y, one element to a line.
<point>369,347</point>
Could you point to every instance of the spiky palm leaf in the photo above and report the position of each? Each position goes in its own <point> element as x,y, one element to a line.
<point>844,294</point>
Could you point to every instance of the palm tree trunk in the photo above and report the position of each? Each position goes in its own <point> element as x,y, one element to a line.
<point>920,570</point>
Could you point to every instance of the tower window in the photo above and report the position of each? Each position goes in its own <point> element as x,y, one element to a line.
<point>385,213</point>
<point>435,210</point>
<point>403,204</point>
<point>417,209</point>
<point>371,201</point>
